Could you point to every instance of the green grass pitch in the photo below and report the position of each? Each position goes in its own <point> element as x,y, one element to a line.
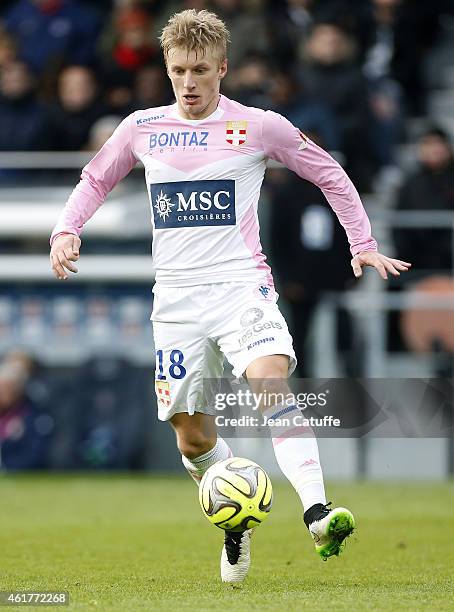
<point>141,543</point>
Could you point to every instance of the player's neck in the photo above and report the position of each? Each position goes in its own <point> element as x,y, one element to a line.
<point>209,110</point>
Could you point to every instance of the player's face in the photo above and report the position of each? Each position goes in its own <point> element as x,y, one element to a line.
<point>196,80</point>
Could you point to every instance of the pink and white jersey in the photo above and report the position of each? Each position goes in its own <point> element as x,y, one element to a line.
<point>203,180</point>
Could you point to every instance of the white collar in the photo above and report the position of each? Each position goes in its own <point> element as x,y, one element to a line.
<point>216,114</point>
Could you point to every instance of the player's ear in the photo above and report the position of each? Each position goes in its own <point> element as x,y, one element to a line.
<point>223,68</point>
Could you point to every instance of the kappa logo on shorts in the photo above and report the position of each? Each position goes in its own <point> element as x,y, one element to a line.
<point>251,316</point>
<point>163,392</point>
<point>193,203</point>
<point>261,341</point>
<point>264,290</point>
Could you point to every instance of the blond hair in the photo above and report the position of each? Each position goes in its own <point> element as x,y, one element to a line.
<point>195,31</point>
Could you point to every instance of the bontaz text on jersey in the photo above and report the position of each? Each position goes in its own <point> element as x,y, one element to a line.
<point>188,138</point>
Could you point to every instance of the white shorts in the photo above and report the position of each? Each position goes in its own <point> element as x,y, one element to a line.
<point>195,327</point>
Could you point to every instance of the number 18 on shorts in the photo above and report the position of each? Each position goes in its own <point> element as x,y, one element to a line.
<point>196,328</point>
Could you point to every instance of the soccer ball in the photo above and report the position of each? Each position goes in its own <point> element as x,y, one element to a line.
<point>236,494</point>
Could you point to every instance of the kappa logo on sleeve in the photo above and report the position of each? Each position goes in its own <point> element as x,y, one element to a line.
<point>236,132</point>
<point>193,203</point>
<point>304,141</point>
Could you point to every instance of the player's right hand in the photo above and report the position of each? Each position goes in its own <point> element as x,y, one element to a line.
<point>65,250</point>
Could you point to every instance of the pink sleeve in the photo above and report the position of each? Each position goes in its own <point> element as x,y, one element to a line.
<point>113,162</point>
<point>283,142</point>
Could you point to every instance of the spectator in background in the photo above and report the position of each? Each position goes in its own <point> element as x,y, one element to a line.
<point>399,34</point>
<point>151,87</point>
<point>250,82</point>
<point>24,429</point>
<point>38,388</point>
<point>353,16</point>
<point>430,187</point>
<point>382,39</point>
<point>8,48</point>
<point>102,130</point>
<point>24,121</point>
<point>133,48</point>
<point>53,32</point>
<point>109,429</point>
<point>309,253</point>
<point>385,93</point>
<point>289,24</point>
<point>247,25</point>
<point>78,107</point>
<point>330,75</point>
<point>288,100</point>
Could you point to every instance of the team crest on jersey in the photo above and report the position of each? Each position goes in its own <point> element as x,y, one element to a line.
<point>236,132</point>
<point>163,391</point>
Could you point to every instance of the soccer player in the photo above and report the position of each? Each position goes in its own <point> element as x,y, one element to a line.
<point>205,158</point>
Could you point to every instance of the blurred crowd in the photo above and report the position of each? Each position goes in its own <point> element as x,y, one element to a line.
<point>348,72</point>
<point>25,426</point>
<point>100,415</point>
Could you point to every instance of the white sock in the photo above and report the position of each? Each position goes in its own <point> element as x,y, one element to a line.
<point>296,450</point>
<point>198,466</point>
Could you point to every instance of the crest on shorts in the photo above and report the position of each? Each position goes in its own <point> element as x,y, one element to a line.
<point>163,391</point>
<point>236,132</point>
<point>251,316</point>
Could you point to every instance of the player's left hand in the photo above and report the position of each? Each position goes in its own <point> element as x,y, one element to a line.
<point>380,262</point>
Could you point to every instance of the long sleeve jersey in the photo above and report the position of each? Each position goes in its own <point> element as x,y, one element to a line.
<point>203,180</point>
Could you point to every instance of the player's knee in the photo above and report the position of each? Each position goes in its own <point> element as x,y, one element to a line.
<point>269,368</point>
<point>195,444</point>
<point>271,389</point>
